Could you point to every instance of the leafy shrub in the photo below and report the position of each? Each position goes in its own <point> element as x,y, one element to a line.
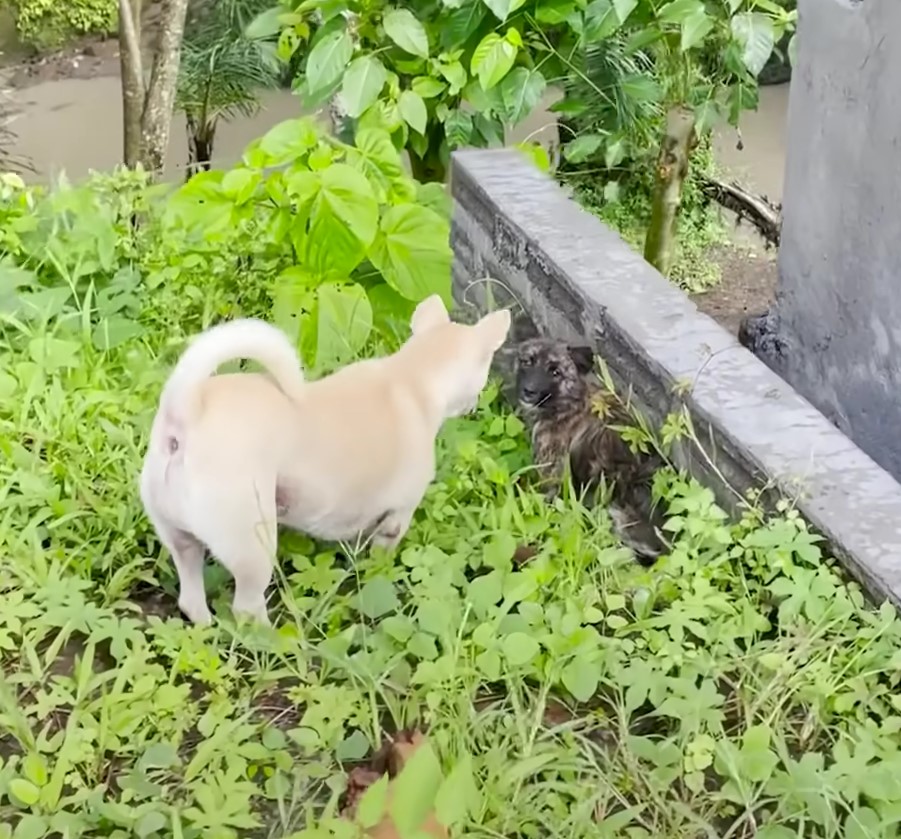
<point>46,24</point>
<point>351,241</point>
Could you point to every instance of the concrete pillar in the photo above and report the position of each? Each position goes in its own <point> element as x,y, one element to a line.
<point>834,332</point>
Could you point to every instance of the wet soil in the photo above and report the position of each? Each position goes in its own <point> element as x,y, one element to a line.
<point>748,286</point>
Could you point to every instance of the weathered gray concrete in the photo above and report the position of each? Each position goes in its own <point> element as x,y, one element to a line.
<point>835,331</point>
<point>571,276</point>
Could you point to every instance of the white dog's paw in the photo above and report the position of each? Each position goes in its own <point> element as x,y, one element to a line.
<point>196,611</point>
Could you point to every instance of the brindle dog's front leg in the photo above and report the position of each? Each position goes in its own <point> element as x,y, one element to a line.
<point>551,463</point>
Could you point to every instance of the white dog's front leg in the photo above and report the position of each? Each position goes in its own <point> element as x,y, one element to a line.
<point>392,529</point>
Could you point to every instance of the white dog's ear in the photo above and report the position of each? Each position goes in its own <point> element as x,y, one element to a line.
<point>494,328</point>
<point>430,313</point>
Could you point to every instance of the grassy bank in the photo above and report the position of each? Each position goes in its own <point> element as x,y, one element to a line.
<point>739,688</point>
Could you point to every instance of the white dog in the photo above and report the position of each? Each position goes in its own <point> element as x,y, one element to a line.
<point>232,456</point>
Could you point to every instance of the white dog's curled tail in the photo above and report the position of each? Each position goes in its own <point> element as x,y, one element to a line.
<point>245,338</point>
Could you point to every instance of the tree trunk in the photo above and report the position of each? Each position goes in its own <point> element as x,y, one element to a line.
<point>201,137</point>
<point>160,100</point>
<point>147,104</point>
<point>672,169</point>
<point>132,73</point>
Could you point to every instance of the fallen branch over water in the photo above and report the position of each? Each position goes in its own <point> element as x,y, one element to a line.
<point>757,209</point>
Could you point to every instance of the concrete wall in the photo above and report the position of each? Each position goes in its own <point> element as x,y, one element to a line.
<point>836,324</point>
<point>566,274</point>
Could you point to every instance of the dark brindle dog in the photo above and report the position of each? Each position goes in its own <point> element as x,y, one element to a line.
<point>554,393</point>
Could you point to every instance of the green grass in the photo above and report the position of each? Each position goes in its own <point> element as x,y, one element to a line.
<point>739,688</point>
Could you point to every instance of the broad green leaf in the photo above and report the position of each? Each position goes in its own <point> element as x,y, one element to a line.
<point>435,197</point>
<point>862,823</point>
<point>159,756</point>
<point>492,60</point>
<point>240,183</point>
<point>282,143</point>
<point>757,760</point>
<point>601,21</point>
<point>343,221</point>
<point>150,823</point>
<point>754,33</point>
<point>293,309</point>
<point>614,153</point>
<point>554,12</point>
<point>484,101</point>
<point>455,73</point>
<point>521,91</point>
<point>402,27</point>
<point>624,8</point>
<point>376,157</point>
<point>24,791</point>
<point>458,797</point>
<point>680,10</point>
<point>742,97</point>
<point>344,318</point>
<point>363,81</point>
<point>30,826</point>
<point>581,678</point>
<point>413,110</point>
<point>793,49</point>
<point>462,24</point>
<point>415,788</point>
<point>378,597</point>
<point>54,353</point>
<point>264,25</point>
<point>412,252</point>
<point>641,87</point>
<point>695,29</point>
<point>8,385</point>
<point>582,147</point>
<point>373,803</point>
<point>458,128</point>
<point>427,87</point>
<point>327,61</point>
<point>519,648</point>
<point>502,8</point>
<point>114,331</point>
<point>537,154</point>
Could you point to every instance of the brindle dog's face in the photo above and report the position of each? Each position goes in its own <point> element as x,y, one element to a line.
<point>549,376</point>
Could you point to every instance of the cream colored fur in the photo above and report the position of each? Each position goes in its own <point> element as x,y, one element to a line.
<point>232,456</point>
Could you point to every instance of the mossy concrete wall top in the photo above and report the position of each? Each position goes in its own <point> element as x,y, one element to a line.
<point>519,239</point>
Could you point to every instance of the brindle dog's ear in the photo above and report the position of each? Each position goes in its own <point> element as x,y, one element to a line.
<point>583,357</point>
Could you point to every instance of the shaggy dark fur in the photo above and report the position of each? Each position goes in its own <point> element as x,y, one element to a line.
<point>555,396</point>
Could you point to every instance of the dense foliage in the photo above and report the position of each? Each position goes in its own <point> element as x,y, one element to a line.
<point>739,688</point>
<point>47,24</point>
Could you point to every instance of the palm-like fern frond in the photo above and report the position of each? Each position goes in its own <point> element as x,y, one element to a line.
<point>222,71</point>
<point>618,90</point>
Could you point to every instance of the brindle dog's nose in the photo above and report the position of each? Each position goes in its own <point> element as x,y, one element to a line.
<point>529,394</point>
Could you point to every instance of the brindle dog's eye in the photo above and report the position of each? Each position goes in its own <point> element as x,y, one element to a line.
<point>555,372</point>
<point>525,362</point>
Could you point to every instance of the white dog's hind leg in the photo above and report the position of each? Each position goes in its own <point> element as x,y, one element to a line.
<point>247,547</point>
<point>188,554</point>
<point>186,550</point>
